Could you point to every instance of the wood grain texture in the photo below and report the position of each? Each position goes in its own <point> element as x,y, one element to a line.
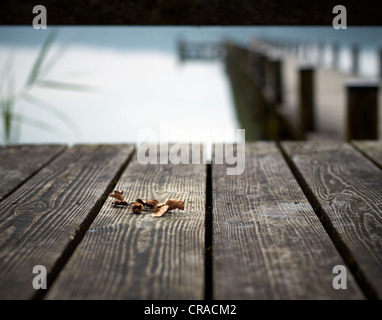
<point>371,149</point>
<point>18,163</point>
<point>42,220</point>
<point>346,189</point>
<point>267,241</point>
<point>136,256</point>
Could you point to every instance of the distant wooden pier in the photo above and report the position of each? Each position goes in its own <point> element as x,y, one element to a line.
<point>201,51</point>
<point>281,94</point>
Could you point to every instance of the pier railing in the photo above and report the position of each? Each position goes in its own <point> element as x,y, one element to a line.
<point>256,79</point>
<point>257,91</point>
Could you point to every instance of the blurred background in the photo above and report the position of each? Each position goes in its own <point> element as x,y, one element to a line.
<point>98,84</point>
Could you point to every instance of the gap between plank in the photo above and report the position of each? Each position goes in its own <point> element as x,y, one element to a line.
<point>64,148</point>
<point>341,247</point>
<point>208,236</point>
<point>80,233</point>
<point>366,156</point>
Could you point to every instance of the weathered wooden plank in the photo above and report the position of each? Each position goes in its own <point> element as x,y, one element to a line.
<point>18,163</point>
<point>43,220</point>
<point>136,256</point>
<point>267,241</point>
<point>346,189</point>
<point>371,149</point>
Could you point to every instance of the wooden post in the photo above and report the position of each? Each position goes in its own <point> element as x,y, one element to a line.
<point>257,66</point>
<point>304,51</point>
<point>306,100</point>
<point>355,59</point>
<point>261,69</point>
<point>300,52</point>
<point>253,61</point>
<point>321,53</point>
<point>307,52</point>
<point>271,95</point>
<point>296,50</point>
<point>362,109</point>
<point>256,80</point>
<point>275,79</point>
<point>335,53</point>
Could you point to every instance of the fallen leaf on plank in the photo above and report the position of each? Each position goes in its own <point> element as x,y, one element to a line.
<point>148,203</point>
<point>143,202</point>
<point>152,203</point>
<point>175,204</point>
<point>137,207</point>
<point>118,194</point>
<point>160,210</point>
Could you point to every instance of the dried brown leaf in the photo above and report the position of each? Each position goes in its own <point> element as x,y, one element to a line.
<point>120,203</point>
<point>143,202</point>
<point>152,203</point>
<point>137,207</point>
<point>160,210</point>
<point>175,204</point>
<point>118,194</point>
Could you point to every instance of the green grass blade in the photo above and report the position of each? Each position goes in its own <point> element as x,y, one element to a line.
<point>65,86</point>
<point>53,60</point>
<point>6,71</point>
<point>7,119</point>
<point>8,111</point>
<point>36,69</point>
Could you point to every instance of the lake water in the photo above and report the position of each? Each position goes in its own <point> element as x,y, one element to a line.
<point>140,88</point>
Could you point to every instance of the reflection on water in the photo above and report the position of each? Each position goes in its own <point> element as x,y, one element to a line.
<point>141,81</point>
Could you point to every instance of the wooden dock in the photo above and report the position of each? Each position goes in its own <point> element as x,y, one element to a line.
<point>199,51</point>
<point>274,232</point>
<point>280,96</point>
<point>330,100</point>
